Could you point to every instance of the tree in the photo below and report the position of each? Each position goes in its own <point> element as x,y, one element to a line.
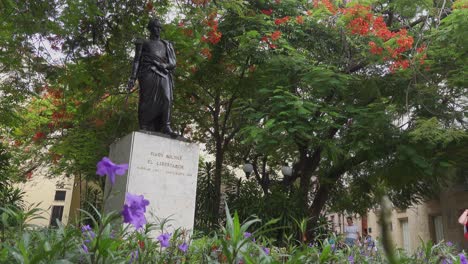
<point>66,70</point>
<point>344,94</point>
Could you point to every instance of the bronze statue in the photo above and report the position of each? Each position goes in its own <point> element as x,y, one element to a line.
<point>153,66</point>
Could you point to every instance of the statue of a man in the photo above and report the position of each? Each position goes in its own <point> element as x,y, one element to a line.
<point>153,66</point>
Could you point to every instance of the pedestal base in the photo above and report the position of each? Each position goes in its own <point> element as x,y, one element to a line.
<point>163,170</point>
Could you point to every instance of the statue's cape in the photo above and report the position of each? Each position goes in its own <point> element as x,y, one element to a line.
<point>170,52</point>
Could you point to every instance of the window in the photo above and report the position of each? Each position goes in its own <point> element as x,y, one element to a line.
<point>405,232</point>
<point>437,227</point>
<point>60,195</point>
<point>57,212</point>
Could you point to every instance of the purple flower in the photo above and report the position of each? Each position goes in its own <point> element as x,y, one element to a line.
<point>462,258</point>
<point>86,228</point>
<point>446,261</point>
<point>85,248</point>
<point>133,256</point>
<point>247,234</point>
<point>134,210</point>
<point>88,233</point>
<point>183,247</point>
<point>266,250</point>
<point>107,167</point>
<point>351,259</point>
<point>164,239</point>
<point>449,244</point>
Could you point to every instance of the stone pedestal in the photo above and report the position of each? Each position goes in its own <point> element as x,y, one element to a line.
<point>162,169</point>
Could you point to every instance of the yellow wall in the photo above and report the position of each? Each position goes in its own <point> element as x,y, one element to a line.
<point>420,217</point>
<point>41,190</point>
<point>419,224</point>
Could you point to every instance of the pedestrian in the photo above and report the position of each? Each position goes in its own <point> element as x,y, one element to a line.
<point>463,220</point>
<point>351,232</point>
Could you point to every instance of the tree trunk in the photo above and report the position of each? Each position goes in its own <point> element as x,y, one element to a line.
<point>217,181</point>
<point>328,181</point>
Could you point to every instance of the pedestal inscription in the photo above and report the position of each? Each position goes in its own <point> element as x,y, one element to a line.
<point>164,170</point>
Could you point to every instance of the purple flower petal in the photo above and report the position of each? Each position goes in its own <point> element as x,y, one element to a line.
<point>462,258</point>
<point>266,250</point>
<point>183,247</point>
<point>107,167</point>
<point>85,228</point>
<point>247,234</point>
<point>85,248</point>
<point>133,256</point>
<point>134,210</point>
<point>164,239</point>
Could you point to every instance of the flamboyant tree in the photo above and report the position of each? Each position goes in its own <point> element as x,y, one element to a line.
<point>65,68</point>
<point>346,91</point>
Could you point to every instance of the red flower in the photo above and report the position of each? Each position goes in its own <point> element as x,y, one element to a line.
<point>420,49</point>
<point>206,52</point>
<point>404,41</point>
<point>359,26</point>
<point>38,136</point>
<point>316,3</point>
<point>272,46</point>
<point>300,20</point>
<point>200,2</point>
<point>375,49</point>
<point>329,6</point>
<point>275,35</point>
<point>393,53</point>
<point>264,39</point>
<point>267,12</point>
<point>283,20</point>
<point>149,6</point>
<point>213,37</point>
<point>405,64</point>
<point>141,244</point>
<point>58,115</point>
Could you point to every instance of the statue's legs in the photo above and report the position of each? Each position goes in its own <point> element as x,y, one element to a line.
<point>166,112</point>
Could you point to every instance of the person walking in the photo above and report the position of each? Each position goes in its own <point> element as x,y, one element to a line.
<point>463,220</point>
<point>351,232</point>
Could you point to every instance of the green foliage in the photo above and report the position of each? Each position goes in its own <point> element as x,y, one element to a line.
<point>315,96</point>
<point>109,242</point>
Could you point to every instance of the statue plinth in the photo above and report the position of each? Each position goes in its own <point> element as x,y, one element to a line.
<point>162,169</point>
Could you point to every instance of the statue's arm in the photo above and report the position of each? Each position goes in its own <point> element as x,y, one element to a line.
<point>171,64</point>
<point>136,63</point>
<point>171,57</point>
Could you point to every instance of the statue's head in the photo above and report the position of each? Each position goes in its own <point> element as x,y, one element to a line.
<point>154,26</point>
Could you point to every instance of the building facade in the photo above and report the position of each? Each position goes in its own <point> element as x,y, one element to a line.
<point>434,220</point>
<point>52,195</point>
